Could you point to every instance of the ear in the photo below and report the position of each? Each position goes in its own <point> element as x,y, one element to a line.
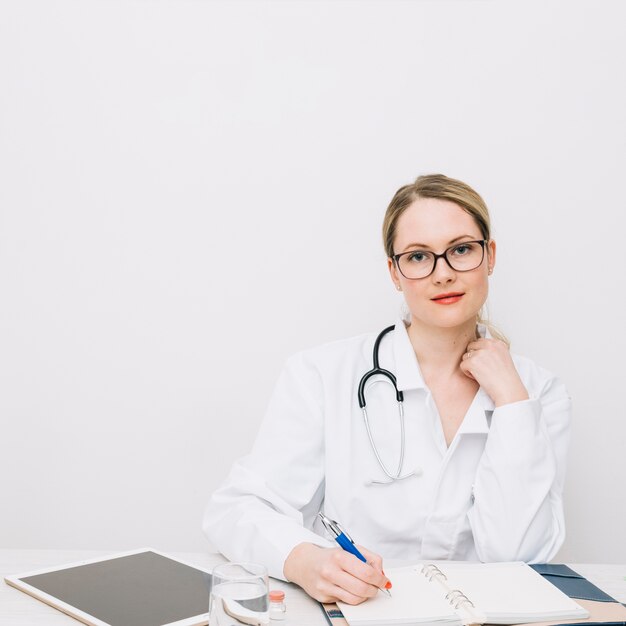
<point>491,255</point>
<point>393,272</point>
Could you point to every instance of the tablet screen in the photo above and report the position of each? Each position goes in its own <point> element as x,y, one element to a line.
<point>144,589</point>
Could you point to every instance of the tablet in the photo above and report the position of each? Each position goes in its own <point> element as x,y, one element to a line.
<point>139,588</point>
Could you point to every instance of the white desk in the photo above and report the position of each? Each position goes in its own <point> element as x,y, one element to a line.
<point>19,609</point>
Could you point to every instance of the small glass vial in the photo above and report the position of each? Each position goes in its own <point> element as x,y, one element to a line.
<point>278,610</point>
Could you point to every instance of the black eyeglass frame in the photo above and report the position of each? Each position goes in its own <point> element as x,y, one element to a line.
<point>444,255</point>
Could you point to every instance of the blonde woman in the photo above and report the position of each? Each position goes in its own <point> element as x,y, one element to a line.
<point>463,459</point>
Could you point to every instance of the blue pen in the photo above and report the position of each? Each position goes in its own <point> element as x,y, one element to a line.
<point>344,540</point>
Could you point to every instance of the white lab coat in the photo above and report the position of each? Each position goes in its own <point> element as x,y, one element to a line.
<point>494,495</point>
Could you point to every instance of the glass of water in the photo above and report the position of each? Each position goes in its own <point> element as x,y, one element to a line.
<point>239,595</point>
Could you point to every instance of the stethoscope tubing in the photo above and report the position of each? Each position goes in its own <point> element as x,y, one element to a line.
<point>377,370</point>
<point>395,476</point>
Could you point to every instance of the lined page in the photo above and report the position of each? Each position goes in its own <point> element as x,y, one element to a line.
<point>414,600</point>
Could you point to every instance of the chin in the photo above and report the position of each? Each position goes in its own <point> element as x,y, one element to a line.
<point>448,319</point>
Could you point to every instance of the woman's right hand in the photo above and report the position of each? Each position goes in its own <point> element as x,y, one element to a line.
<point>331,574</point>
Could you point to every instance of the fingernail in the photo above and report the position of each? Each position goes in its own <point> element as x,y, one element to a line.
<point>388,585</point>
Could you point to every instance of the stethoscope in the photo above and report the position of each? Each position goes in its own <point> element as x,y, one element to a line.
<point>389,378</point>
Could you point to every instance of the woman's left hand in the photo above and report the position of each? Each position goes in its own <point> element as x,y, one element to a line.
<point>489,363</point>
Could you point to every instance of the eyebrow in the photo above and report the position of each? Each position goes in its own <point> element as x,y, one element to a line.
<point>451,242</point>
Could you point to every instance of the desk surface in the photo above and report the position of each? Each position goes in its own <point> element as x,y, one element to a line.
<point>19,609</point>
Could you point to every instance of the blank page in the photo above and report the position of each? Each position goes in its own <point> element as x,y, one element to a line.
<point>509,590</point>
<point>414,600</point>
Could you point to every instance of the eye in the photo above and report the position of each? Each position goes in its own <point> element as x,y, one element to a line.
<point>417,257</point>
<point>464,249</point>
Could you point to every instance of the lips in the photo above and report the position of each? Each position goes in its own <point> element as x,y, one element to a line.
<point>448,298</point>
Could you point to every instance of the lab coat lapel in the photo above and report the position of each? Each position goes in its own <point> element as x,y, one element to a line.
<point>478,416</point>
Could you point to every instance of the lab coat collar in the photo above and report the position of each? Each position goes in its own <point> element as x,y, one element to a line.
<point>409,376</point>
<point>408,373</point>
<point>478,416</point>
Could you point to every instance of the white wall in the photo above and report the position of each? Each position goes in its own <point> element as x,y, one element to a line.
<point>192,191</point>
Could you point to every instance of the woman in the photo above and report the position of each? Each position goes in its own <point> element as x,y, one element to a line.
<point>486,432</point>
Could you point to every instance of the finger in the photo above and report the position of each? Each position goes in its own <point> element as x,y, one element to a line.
<point>481,342</point>
<point>471,352</point>
<point>375,560</point>
<point>354,585</point>
<point>465,369</point>
<point>338,593</point>
<point>484,344</point>
<point>363,571</point>
<point>325,590</point>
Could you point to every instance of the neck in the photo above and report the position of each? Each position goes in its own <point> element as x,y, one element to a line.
<point>440,349</point>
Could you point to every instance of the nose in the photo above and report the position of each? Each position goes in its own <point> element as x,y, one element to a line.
<point>442,272</point>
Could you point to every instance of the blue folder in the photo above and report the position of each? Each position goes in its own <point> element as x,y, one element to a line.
<point>575,586</point>
<point>571,583</point>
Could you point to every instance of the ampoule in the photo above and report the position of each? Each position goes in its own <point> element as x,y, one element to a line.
<point>278,609</point>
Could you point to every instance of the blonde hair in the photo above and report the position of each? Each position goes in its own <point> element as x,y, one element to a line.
<point>443,188</point>
<point>440,187</point>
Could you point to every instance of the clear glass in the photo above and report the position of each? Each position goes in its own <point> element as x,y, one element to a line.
<point>461,257</point>
<point>239,595</point>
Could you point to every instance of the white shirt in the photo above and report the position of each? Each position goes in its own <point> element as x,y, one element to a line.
<point>495,494</point>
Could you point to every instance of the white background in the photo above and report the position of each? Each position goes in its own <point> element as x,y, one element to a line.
<point>192,191</point>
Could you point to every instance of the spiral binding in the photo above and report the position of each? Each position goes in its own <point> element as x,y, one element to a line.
<point>457,598</point>
<point>432,571</point>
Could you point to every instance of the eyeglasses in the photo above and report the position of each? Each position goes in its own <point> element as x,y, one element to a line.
<point>461,257</point>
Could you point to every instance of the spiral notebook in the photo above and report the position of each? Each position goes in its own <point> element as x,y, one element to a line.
<point>456,594</point>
